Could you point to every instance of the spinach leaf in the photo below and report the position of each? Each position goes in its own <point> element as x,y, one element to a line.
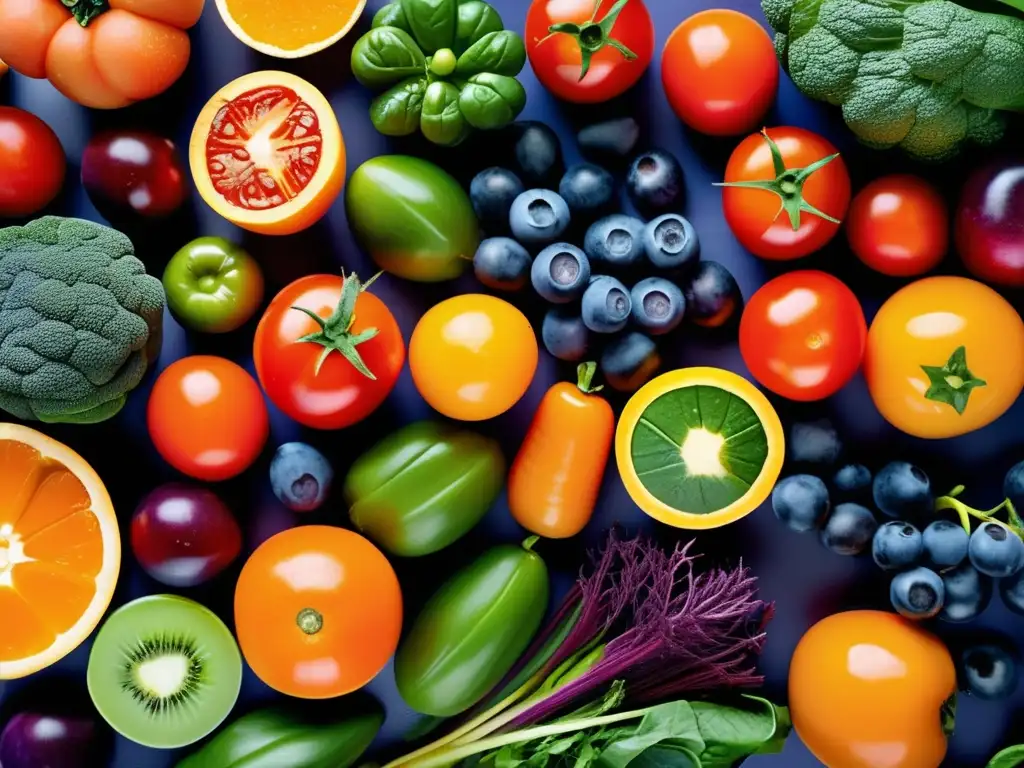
<point>663,756</point>
<point>391,15</point>
<point>432,22</point>
<point>501,53</point>
<point>492,101</point>
<point>476,19</point>
<point>386,55</point>
<point>396,112</point>
<point>1011,757</point>
<point>442,121</point>
<point>732,733</point>
<point>674,722</point>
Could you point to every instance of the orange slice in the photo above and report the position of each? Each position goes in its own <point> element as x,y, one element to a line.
<point>60,550</point>
<point>290,30</point>
<point>267,153</point>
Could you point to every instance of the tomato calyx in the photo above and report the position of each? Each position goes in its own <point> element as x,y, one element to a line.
<point>335,334</point>
<point>310,621</point>
<point>953,382</point>
<point>947,713</point>
<point>788,184</point>
<point>593,35</point>
<point>85,11</point>
<point>585,378</point>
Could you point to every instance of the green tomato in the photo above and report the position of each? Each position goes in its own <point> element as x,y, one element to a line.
<point>213,286</point>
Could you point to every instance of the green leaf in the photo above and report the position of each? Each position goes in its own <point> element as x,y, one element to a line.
<point>396,112</point>
<point>732,734</point>
<point>492,101</point>
<point>1011,757</point>
<point>442,121</point>
<point>86,11</point>
<point>385,56</point>
<point>475,19</point>
<point>432,22</point>
<point>501,53</point>
<point>675,722</point>
<point>953,382</point>
<point>665,756</point>
<point>391,15</point>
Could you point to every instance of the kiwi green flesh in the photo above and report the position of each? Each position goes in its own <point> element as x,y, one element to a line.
<point>164,671</point>
<point>698,449</point>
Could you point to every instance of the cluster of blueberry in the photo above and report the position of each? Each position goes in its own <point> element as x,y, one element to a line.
<point>633,280</point>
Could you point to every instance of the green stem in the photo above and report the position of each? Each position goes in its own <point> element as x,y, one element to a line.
<point>86,11</point>
<point>965,512</point>
<point>593,35</point>
<point>585,378</point>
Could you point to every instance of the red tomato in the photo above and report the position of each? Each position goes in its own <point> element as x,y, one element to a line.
<point>311,370</point>
<point>31,163</point>
<point>802,335</point>
<point>720,72</point>
<point>753,211</point>
<point>898,225</point>
<point>207,417</point>
<point>582,63</point>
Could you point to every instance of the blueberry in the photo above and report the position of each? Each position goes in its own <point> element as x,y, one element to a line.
<point>536,153</point>
<point>671,243</point>
<point>945,543</point>
<point>897,545</point>
<point>902,490</point>
<point>588,190</point>
<point>988,672</point>
<point>849,529</point>
<point>995,550</point>
<point>564,335</point>
<point>658,305</point>
<point>1012,592</point>
<point>300,476</point>
<point>655,183</point>
<point>853,482</point>
<point>615,242</point>
<point>814,442</point>
<point>968,593</point>
<point>801,502</point>
<point>502,264</point>
<point>492,191</point>
<point>918,593</point>
<point>629,361</point>
<point>560,273</point>
<point>712,294</point>
<point>1013,486</point>
<point>609,140</point>
<point>538,217</point>
<point>606,305</point>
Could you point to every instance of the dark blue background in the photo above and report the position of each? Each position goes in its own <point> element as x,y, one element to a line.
<point>806,581</point>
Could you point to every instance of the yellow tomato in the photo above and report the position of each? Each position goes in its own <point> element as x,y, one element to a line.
<point>472,357</point>
<point>945,356</point>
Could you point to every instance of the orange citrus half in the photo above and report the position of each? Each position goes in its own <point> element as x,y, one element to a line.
<point>290,30</point>
<point>267,153</point>
<point>60,550</point>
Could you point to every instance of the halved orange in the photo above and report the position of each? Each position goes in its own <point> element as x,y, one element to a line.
<point>60,550</point>
<point>290,30</point>
<point>267,153</point>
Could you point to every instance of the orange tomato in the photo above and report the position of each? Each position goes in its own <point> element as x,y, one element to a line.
<point>555,479</point>
<point>473,356</point>
<point>318,611</point>
<point>207,417</point>
<point>867,689</point>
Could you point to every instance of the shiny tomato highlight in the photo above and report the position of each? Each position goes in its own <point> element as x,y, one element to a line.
<point>32,163</point>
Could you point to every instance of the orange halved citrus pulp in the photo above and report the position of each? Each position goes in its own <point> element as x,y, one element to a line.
<point>267,153</point>
<point>290,30</point>
<point>60,550</point>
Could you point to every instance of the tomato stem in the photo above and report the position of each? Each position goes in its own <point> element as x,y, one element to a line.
<point>585,378</point>
<point>86,11</point>
<point>310,621</point>
<point>952,383</point>
<point>593,35</point>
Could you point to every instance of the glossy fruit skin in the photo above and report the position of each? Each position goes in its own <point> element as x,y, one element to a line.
<point>897,545</point>
<point>995,550</point>
<point>183,535</point>
<point>902,490</point>
<point>32,163</point>
<point>473,356</point>
<point>502,264</point>
<point>968,593</point>
<point>802,335</point>
<point>923,324</point>
<point>133,174</point>
<point>561,273</point>
<point>720,72</point>
<point>988,234</point>
<point>849,529</point>
<point>213,285</point>
<point>615,243</point>
<point>801,502</point>
<point>36,740</point>
<point>712,294</point>
<point>752,214</point>
<point>606,305</point>
<point>207,417</point>
<point>990,673</point>
<point>671,243</point>
<point>538,217</point>
<point>424,487</point>
<point>564,334</point>
<point>588,190</point>
<point>945,543</point>
<point>816,443</point>
<point>852,482</point>
<point>492,192</point>
<point>472,631</point>
<point>317,572</point>
<point>629,361</point>
<point>658,305</point>
<point>557,62</point>
<point>899,225</point>
<point>655,183</point>
<point>439,234</point>
<point>917,594</point>
<point>300,476</point>
<point>846,701</point>
<point>338,395</point>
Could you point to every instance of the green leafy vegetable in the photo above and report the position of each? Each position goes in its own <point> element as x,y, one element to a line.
<point>442,122</point>
<point>1011,757</point>
<point>476,19</point>
<point>432,22</point>
<point>501,53</point>
<point>492,101</point>
<point>384,56</point>
<point>391,15</point>
<point>396,112</point>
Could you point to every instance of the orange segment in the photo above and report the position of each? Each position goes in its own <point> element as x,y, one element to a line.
<point>59,494</point>
<point>25,635</point>
<point>288,32</point>
<point>75,542</point>
<point>67,593</point>
<point>20,473</point>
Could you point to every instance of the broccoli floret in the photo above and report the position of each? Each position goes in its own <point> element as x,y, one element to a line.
<point>80,320</point>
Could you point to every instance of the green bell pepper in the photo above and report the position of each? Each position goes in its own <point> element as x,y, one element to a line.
<point>443,67</point>
<point>424,487</point>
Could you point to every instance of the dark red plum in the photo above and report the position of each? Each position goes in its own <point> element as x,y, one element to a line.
<point>133,174</point>
<point>990,223</point>
<point>32,740</point>
<point>184,535</point>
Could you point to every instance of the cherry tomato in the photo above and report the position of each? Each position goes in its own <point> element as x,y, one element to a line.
<point>133,173</point>
<point>331,372</point>
<point>207,417</point>
<point>32,163</point>
<point>773,160</point>
<point>318,611</point>
<point>473,356</point>
<point>802,335</point>
<point>720,72</point>
<point>581,62</point>
<point>898,225</point>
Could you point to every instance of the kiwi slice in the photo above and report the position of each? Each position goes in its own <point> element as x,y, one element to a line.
<point>164,671</point>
